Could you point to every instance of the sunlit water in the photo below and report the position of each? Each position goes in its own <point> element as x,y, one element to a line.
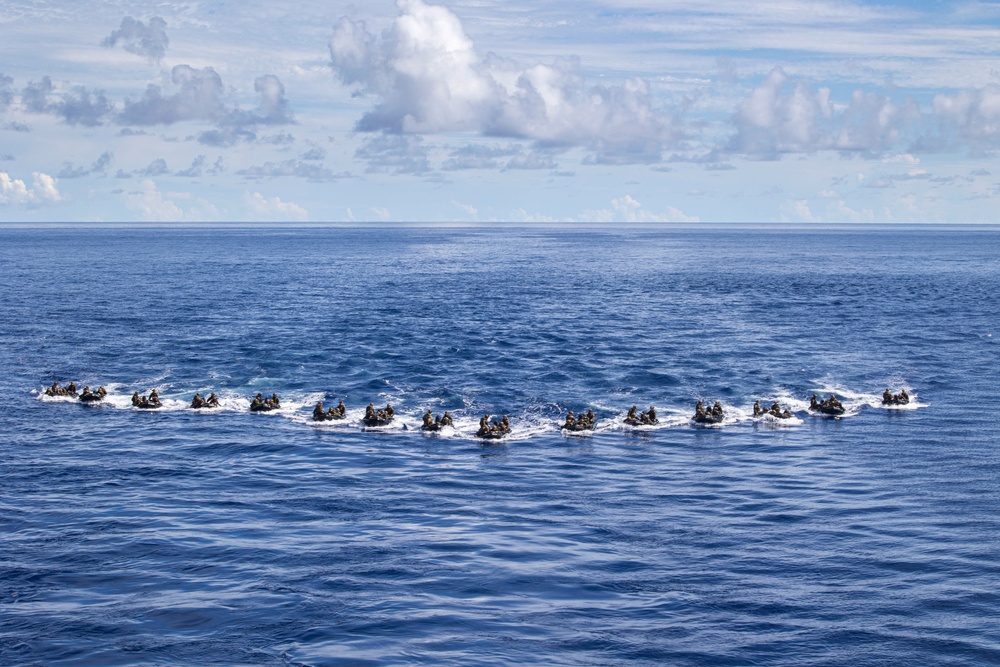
<point>177,536</point>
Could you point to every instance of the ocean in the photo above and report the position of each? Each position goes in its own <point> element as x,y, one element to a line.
<point>224,537</point>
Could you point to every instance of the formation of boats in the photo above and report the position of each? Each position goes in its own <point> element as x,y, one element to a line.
<point>488,429</point>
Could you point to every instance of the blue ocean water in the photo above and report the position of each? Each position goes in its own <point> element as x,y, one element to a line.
<point>183,537</point>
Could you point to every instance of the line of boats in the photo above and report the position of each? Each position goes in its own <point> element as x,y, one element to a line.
<point>489,430</point>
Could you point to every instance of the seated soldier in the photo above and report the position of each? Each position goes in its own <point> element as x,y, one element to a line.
<point>652,415</point>
<point>570,421</point>
<point>887,396</point>
<point>632,413</point>
<point>101,391</point>
<point>389,412</point>
<point>446,419</point>
<point>757,412</point>
<point>275,401</point>
<point>198,401</point>
<point>154,398</point>
<point>429,419</point>
<point>370,411</point>
<point>813,402</point>
<point>136,401</point>
<point>505,424</point>
<point>341,410</point>
<point>699,409</point>
<point>213,400</point>
<point>787,414</point>
<point>319,414</point>
<point>717,409</point>
<point>257,400</point>
<point>54,390</point>
<point>903,396</point>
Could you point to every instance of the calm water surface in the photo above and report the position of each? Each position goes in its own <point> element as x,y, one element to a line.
<point>179,537</point>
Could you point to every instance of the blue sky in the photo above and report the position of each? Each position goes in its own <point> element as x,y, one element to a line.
<point>506,110</point>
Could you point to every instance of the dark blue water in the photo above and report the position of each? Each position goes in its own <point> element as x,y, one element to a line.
<point>177,537</point>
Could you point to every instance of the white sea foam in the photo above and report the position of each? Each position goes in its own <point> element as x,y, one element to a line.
<point>665,418</point>
<point>771,421</point>
<point>42,396</point>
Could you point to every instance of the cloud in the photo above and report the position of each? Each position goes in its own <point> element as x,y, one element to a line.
<point>395,153</point>
<point>314,153</point>
<point>532,160</point>
<point>627,209</point>
<point>971,116</point>
<point>874,123</point>
<point>148,40</point>
<point>100,166</point>
<point>468,209</point>
<point>6,94</point>
<point>35,96</point>
<point>428,78</point>
<point>196,169</point>
<point>273,209</point>
<point>151,205</point>
<point>778,117</point>
<point>783,115</point>
<point>14,191</point>
<point>797,210</point>
<point>81,107</point>
<point>226,136</point>
<point>200,98</point>
<point>478,157</point>
<point>157,167</point>
<point>307,170</point>
<point>273,106</point>
<point>283,139</point>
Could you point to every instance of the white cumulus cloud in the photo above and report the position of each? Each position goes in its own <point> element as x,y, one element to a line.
<point>15,191</point>
<point>628,209</point>
<point>785,115</point>
<point>973,115</point>
<point>428,77</point>
<point>274,209</point>
<point>151,205</point>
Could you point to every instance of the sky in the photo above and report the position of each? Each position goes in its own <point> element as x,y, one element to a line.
<point>608,111</point>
